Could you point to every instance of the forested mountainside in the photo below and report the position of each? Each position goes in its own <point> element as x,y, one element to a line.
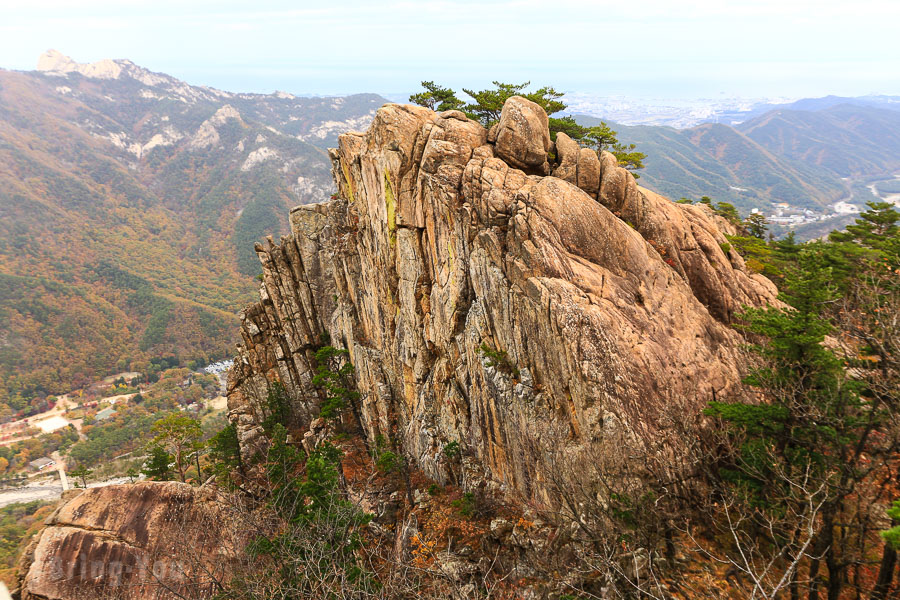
<point>129,205</point>
<point>720,162</point>
<point>845,140</point>
<point>809,157</point>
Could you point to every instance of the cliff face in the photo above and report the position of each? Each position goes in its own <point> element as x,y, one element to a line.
<point>485,303</point>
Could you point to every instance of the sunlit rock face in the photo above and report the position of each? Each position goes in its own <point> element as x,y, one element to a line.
<point>55,62</point>
<point>485,304</point>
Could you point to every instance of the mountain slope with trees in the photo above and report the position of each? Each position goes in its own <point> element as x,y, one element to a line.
<point>846,140</point>
<point>129,206</point>
<point>810,156</point>
<point>720,162</point>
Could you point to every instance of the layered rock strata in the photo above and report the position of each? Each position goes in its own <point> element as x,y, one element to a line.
<point>486,305</point>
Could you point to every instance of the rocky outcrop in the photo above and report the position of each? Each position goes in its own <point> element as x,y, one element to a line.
<point>690,239</point>
<point>523,135</point>
<point>491,307</point>
<point>55,62</point>
<point>207,134</point>
<point>579,166</point>
<point>144,540</point>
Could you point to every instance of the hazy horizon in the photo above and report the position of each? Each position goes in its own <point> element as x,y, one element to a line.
<point>645,50</point>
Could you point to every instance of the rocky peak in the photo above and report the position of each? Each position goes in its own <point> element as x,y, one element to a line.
<point>207,136</point>
<point>223,114</point>
<point>58,64</point>
<point>522,320</point>
<point>489,306</point>
<point>55,62</point>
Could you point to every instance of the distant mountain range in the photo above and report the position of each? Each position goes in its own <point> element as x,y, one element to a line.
<point>736,116</point>
<point>872,101</point>
<point>683,113</point>
<point>129,204</point>
<point>807,158</point>
<point>847,140</point>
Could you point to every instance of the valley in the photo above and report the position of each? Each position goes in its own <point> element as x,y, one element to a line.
<point>887,190</point>
<point>102,431</point>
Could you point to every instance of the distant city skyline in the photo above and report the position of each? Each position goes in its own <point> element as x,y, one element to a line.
<point>709,49</point>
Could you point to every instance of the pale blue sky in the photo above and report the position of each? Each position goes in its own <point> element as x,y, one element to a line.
<point>656,48</point>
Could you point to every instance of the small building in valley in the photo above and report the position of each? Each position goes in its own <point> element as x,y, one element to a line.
<point>39,464</point>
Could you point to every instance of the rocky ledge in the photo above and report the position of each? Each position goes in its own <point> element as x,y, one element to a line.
<point>489,305</point>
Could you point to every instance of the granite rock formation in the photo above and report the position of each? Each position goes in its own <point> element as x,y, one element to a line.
<point>523,135</point>
<point>142,540</point>
<point>486,305</point>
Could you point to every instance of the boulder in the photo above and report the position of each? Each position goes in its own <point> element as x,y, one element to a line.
<point>567,151</point>
<point>139,541</point>
<point>588,172</point>
<point>523,135</point>
<point>579,166</point>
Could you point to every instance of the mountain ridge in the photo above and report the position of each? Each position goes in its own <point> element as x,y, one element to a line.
<point>128,211</point>
<point>721,162</point>
<point>845,139</point>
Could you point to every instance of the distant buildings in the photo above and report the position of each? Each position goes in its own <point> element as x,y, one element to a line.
<point>785,214</point>
<point>104,414</point>
<point>39,464</point>
<point>218,367</point>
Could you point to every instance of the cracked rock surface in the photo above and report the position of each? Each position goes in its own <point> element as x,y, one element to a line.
<point>515,316</point>
<point>142,540</point>
<point>485,304</point>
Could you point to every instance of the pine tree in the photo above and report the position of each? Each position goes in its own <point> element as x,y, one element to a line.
<point>332,371</point>
<point>179,434</point>
<point>603,138</point>
<point>159,464</point>
<point>876,230</point>
<point>756,225</point>
<point>81,472</point>
<point>488,104</point>
<point>818,426</point>
<point>225,453</point>
<point>437,98</point>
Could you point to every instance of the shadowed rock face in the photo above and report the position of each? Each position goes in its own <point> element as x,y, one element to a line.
<point>603,300</point>
<point>144,540</point>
